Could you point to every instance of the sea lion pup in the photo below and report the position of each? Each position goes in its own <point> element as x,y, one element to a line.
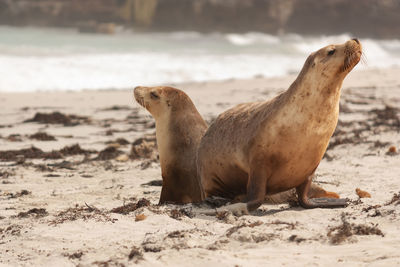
<point>179,128</point>
<point>262,148</point>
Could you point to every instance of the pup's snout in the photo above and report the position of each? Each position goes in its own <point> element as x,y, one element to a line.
<point>137,89</point>
<point>138,93</point>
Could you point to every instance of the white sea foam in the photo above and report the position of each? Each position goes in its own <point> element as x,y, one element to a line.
<point>252,38</point>
<point>51,59</point>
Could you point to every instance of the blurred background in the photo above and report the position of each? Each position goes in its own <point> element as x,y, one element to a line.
<point>105,44</point>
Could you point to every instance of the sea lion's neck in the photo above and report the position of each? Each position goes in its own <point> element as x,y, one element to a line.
<point>163,137</point>
<point>313,102</point>
<point>316,92</point>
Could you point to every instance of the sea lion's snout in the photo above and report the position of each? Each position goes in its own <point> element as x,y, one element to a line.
<point>150,99</point>
<point>353,45</point>
<point>353,53</point>
<point>356,45</point>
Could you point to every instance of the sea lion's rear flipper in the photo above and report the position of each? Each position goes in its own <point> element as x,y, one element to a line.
<point>327,201</point>
<point>324,202</point>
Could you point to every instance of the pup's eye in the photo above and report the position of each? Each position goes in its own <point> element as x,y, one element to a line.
<point>331,52</point>
<point>154,95</point>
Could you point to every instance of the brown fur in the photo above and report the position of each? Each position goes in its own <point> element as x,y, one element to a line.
<point>185,131</point>
<point>179,128</point>
<point>264,148</point>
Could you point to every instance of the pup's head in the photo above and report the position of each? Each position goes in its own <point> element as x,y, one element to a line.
<point>162,100</point>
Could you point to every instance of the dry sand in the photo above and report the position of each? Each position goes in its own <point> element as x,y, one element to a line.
<point>58,209</point>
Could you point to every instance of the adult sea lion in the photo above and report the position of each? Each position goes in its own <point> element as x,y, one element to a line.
<point>262,148</point>
<point>179,128</point>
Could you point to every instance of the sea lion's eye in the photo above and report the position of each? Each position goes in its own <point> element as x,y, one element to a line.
<point>154,95</point>
<point>331,52</point>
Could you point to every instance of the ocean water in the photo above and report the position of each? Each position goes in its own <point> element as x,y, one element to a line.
<point>44,59</point>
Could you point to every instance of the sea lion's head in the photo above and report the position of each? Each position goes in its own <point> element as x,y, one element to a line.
<point>333,61</point>
<point>162,100</point>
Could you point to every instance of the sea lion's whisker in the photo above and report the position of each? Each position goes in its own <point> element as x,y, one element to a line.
<point>364,59</point>
<point>137,104</point>
<point>350,59</point>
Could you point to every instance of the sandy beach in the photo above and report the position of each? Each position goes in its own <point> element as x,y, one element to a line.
<point>80,183</point>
